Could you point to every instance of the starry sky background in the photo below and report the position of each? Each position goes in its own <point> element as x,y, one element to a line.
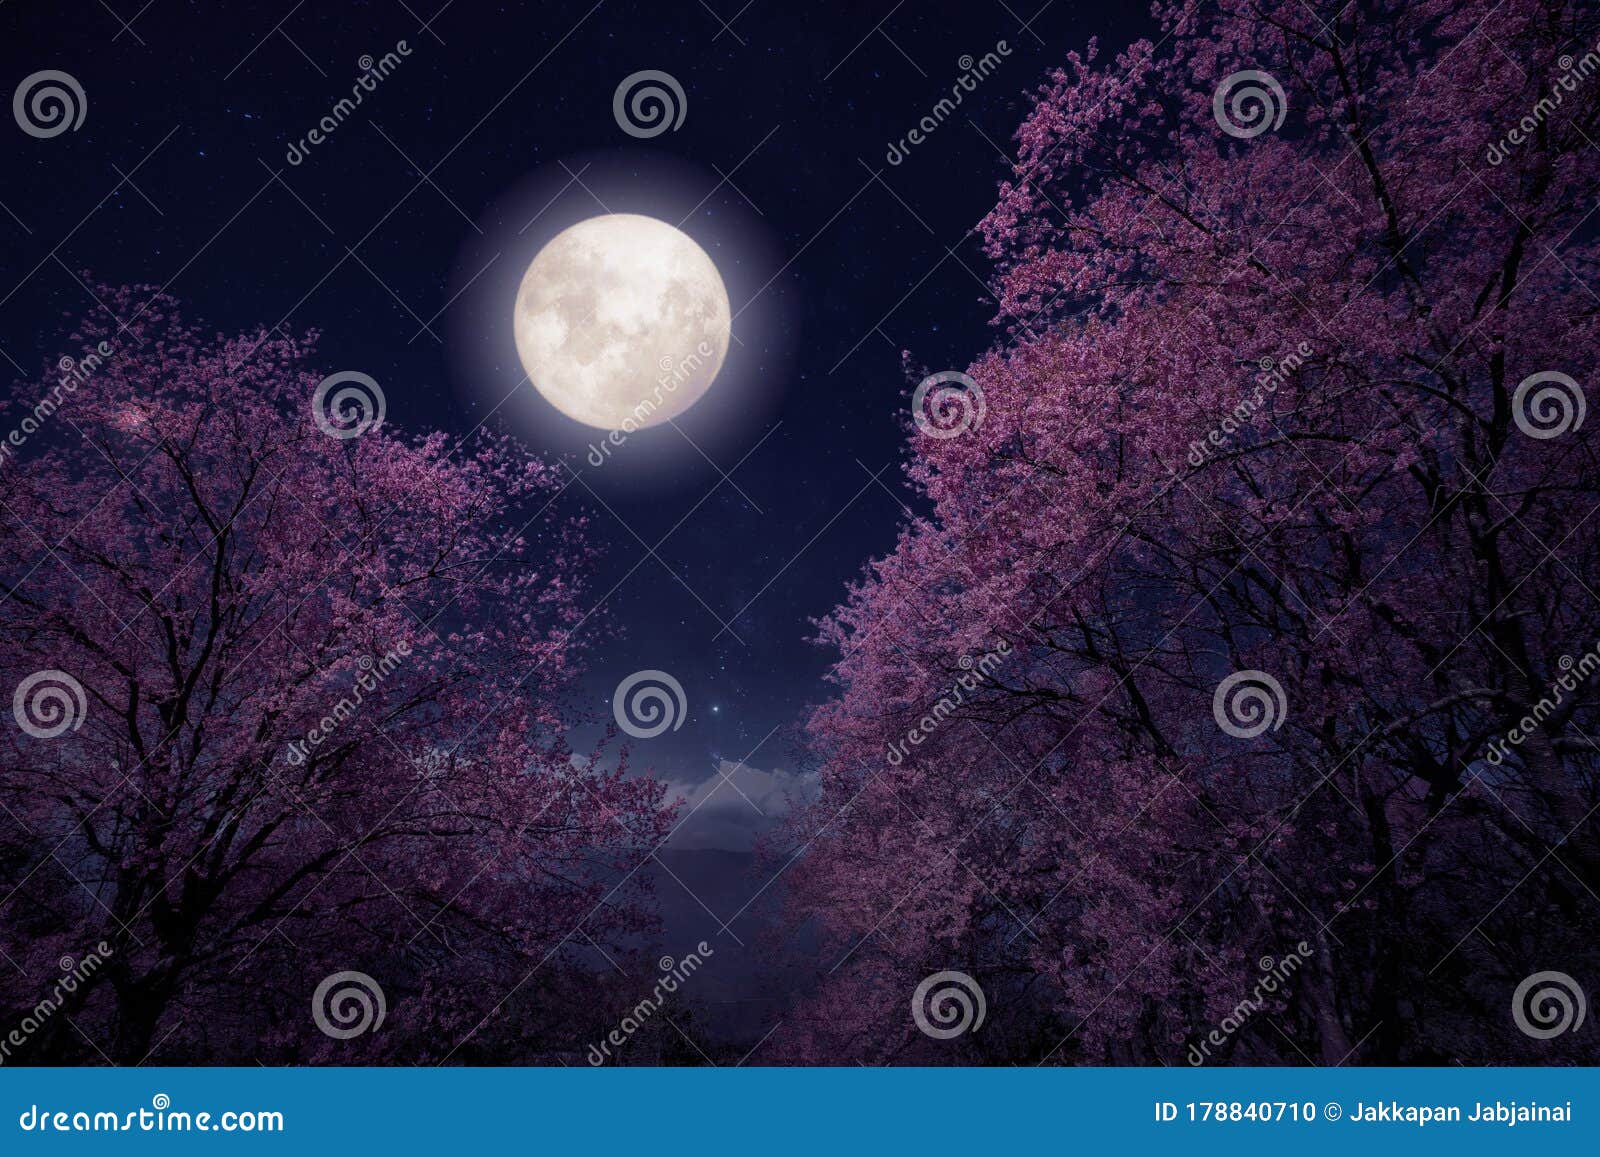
<point>496,132</point>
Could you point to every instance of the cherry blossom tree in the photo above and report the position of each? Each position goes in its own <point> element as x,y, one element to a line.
<point>288,702</point>
<point>1280,504</point>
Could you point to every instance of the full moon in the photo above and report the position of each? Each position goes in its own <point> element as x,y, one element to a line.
<point>622,322</point>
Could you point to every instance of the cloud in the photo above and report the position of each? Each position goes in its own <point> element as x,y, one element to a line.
<point>737,805</point>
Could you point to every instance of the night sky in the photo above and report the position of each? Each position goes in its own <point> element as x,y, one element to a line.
<point>401,238</point>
